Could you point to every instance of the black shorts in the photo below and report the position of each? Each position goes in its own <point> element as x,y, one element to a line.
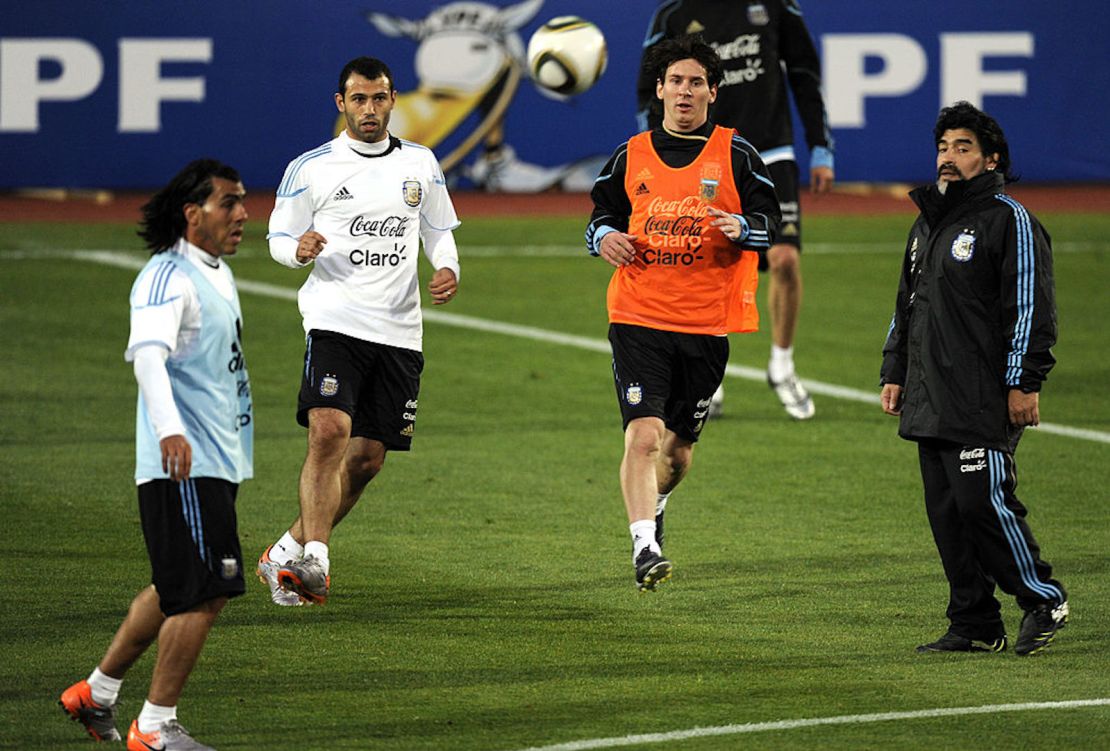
<point>667,375</point>
<point>191,538</point>
<point>785,175</point>
<point>375,384</point>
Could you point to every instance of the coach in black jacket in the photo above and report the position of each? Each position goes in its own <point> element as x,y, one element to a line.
<point>963,364</point>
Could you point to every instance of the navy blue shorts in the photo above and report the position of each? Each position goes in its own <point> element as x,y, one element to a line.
<point>667,375</point>
<point>192,540</point>
<point>375,384</point>
<point>785,175</point>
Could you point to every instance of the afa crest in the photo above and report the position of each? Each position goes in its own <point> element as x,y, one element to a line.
<point>329,386</point>
<point>757,15</point>
<point>708,190</point>
<point>413,192</point>
<point>634,395</point>
<point>963,247</point>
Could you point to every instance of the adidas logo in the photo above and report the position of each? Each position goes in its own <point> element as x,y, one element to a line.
<point>644,174</point>
<point>642,189</point>
<point>342,195</point>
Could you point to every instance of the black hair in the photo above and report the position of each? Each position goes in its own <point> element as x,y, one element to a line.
<point>685,47</point>
<point>163,221</point>
<point>986,129</point>
<point>370,68</point>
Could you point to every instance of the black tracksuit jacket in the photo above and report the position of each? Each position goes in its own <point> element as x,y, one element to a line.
<point>975,314</point>
<point>764,45</point>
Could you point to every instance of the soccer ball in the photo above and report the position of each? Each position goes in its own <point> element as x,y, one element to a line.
<point>567,55</point>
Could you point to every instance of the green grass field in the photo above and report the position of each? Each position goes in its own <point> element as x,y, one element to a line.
<point>482,591</point>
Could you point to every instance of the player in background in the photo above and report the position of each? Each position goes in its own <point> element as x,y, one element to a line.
<point>765,47</point>
<point>357,208</point>
<point>682,213</point>
<point>968,349</point>
<point>194,441</point>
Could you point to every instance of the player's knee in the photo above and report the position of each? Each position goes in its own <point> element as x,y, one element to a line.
<point>644,437</point>
<point>328,430</point>
<point>365,465</point>
<point>785,262</point>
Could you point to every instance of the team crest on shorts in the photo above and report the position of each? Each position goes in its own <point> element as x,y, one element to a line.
<point>413,192</point>
<point>329,386</point>
<point>634,394</point>
<point>708,191</point>
<point>229,568</point>
<point>757,14</point>
<point>963,247</point>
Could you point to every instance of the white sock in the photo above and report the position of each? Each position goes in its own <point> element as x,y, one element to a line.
<point>286,549</point>
<point>781,366</point>
<point>153,716</point>
<point>319,551</point>
<point>661,503</point>
<point>105,688</point>
<point>643,536</point>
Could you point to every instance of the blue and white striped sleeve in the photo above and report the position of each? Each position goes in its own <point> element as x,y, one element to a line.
<point>761,214</point>
<point>293,209</point>
<point>160,299</point>
<point>1028,299</point>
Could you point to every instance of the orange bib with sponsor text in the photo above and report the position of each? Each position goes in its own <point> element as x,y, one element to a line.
<point>687,276</point>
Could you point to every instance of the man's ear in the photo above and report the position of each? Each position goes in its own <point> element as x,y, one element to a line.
<point>192,214</point>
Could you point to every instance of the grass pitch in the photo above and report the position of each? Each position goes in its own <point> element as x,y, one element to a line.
<point>482,590</point>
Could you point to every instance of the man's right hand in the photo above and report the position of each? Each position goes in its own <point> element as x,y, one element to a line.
<point>617,248</point>
<point>310,245</point>
<point>177,457</point>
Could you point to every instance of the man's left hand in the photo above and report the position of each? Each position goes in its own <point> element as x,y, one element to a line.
<point>1024,408</point>
<point>820,179</point>
<point>443,286</point>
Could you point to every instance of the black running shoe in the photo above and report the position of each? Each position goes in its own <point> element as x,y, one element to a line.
<point>955,643</point>
<point>651,569</point>
<point>1039,627</point>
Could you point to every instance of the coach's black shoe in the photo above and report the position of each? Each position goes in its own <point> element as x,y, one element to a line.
<point>659,530</point>
<point>951,642</point>
<point>651,569</point>
<point>1039,627</point>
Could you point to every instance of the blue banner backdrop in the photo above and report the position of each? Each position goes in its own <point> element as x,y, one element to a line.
<point>120,94</point>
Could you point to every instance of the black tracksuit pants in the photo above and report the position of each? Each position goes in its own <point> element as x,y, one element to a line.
<point>982,537</point>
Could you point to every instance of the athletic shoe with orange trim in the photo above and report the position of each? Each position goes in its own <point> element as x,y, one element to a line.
<point>268,574</point>
<point>171,736</point>
<point>307,578</point>
<point>100,722</point>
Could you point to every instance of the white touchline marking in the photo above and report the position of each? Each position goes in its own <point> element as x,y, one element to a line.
<point>130,261</point>
<point>852,719</point>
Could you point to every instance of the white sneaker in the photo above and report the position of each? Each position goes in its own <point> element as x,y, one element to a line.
<point>171,736</point>
<point>268,574</point>
<point>794,397</point>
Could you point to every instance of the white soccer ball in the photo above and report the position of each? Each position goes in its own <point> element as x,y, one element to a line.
<point>567,55</point>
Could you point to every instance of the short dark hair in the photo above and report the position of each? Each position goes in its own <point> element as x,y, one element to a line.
<point>986,129</point>
<point>688,46</point>
<point>163,221</point>
<point>367,67</point>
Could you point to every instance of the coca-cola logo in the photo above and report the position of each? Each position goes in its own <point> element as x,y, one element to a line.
<point>680,226</point>
<point>390,226</point>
